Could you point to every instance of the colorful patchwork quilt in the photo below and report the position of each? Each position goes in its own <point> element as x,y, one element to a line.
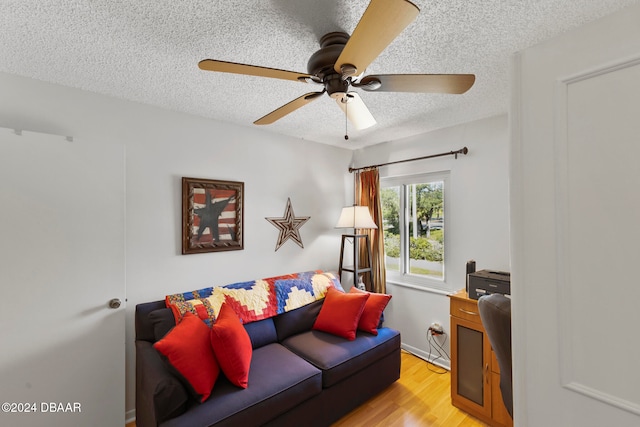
<point>257,299</point>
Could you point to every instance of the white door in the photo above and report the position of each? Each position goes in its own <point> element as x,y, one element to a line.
<point>61,261</point>
<point>575,189</point>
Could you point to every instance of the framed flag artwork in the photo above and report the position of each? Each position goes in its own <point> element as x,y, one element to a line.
<point>212,215</point>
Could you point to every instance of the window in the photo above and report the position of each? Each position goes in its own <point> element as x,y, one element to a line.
<point>413,211</point>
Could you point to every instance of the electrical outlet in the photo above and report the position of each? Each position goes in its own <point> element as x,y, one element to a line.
<point>436,328</point>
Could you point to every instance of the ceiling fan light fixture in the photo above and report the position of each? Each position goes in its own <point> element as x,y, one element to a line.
<point>355,110</point>
<point>342,59</point>
<point>345,97</point>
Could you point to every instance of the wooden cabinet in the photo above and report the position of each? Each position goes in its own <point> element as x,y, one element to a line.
<point>475,375</point>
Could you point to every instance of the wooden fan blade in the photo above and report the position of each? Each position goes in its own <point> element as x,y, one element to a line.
<point>279,113</point>
<point>379,26</point>
<point>356,111</point>
<point>251,70</point>
<point>423,83</point>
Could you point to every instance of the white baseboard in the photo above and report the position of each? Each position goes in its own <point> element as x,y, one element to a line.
<point>129,416</point>
<point>433,359</point>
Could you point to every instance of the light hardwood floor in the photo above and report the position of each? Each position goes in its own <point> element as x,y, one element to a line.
<point>420,398</point>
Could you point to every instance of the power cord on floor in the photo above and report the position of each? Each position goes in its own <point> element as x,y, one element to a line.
<point>429,363</point>
<point>442,354</point>
<point>438,347</point>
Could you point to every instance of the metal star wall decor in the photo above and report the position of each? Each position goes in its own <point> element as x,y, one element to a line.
<point>289,226</point>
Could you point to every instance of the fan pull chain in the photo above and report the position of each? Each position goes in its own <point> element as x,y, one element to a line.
<point>346,121</point>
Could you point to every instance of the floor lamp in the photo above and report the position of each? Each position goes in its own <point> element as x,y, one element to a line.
<point>356,217</point>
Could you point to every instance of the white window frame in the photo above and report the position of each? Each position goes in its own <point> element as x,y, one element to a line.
<point>402,277</point>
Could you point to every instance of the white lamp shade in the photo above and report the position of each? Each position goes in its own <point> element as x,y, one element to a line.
<point>355,217</point>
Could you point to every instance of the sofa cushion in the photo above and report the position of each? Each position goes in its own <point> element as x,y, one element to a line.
<point>167,396</point>
<point>370,319</point>
<point>339,358</point>
<point>187,348</point>
<point>143,325</point>
<point>298,320</point>
<point>262,332</point>
<point>278,381</point>
<point>232,346</point>
<point>341,313</point>
<point>162,321</point>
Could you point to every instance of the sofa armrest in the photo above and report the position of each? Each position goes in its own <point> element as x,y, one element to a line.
<point>159,394</point>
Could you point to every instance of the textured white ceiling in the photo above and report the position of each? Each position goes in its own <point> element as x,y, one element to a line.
<point>148,50</point>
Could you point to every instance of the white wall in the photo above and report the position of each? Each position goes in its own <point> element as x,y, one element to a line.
<point>477,219</point>
<point>161,147</point>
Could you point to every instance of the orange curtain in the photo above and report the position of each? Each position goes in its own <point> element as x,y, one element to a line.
<point>368,194</point>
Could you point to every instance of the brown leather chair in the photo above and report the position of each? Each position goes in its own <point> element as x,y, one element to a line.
<point>495,312</point>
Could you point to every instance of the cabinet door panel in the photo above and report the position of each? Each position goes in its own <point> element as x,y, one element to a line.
<point>470,364</point>
<point>470,373</point>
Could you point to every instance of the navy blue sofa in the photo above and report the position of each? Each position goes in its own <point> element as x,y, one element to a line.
<point>298,376</point>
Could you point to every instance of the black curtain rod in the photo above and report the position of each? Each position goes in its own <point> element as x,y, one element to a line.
<point>464,150</point>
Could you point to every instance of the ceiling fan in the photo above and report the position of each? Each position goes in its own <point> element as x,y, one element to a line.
<point>341,61</point>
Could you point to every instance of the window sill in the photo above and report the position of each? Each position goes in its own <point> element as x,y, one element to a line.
<point>422,288</point>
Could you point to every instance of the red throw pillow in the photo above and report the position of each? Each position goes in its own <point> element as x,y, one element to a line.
<point>340,313</point>
<point>373,309</point>
<point>188,349</point>
<point>232,346</point>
